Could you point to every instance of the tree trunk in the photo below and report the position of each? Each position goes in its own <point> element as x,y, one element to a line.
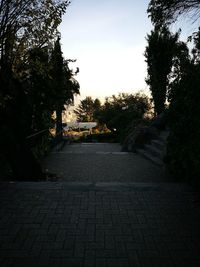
<point>59,129</point>
<point>24,165</point>
<point>13,130</point>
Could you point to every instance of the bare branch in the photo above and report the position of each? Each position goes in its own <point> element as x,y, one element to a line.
<point>163,12</point>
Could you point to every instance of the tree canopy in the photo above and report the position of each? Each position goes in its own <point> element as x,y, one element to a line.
<point>88,109</point>
<point>63,83</point>
<point>166,12</point>
<point>119,111</point>
<point>159,55</point>
<point>34,77</point>
<point>183,157</point>
<point>28,24</point>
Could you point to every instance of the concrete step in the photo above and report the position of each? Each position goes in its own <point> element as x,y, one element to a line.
<point>163,136</point>
<point>156,160</point>
<point>160,144</point>
<point>155,151</point>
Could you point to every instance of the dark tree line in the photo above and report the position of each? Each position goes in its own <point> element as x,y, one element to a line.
<point>117,112</point>
<point>181,87</point>
<point>35,79</point>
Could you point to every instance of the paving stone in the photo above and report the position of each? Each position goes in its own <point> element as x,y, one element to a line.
<point>72,262</point>
<point>159,227</point>
<point>100,263</point>
<point>117,263</point>
<point>89,262</point>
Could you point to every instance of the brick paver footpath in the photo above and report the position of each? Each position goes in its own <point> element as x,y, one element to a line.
<point>99,224</point>
<point>63,224</point>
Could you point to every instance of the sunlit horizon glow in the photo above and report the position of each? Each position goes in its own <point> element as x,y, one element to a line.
<point>108,42</point>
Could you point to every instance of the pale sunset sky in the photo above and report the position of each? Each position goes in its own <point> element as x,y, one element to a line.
<point>107,38</point>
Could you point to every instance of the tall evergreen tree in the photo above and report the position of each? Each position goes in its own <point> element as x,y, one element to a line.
<point>64,85</point>
<point>87,109</point>
<point>183,157</point>
<point>159,57</point>
<point>27,28</point>
<point>57,79</point>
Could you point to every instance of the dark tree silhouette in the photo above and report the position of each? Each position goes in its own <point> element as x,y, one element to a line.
<point>166,12</point>
<point>88,110</point>
<point>183,157</point>
<point>27,24</point>
<point>119,111</point>
<point>159,57</point>
<point>64,85</point>
<point>58,76</point>
<point>27,29</point>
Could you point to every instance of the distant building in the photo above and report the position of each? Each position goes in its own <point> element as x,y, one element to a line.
<point>80,125</point>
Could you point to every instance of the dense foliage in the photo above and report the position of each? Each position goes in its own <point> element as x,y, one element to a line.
<point>116,113</point>
<point>63,84</point>
<point>27,24</point>
<point>119,111</point>
<point>159,57</point>
<point>88,109</point>
<point>183,153</point>
<point>29,94</point>
<point>166,12</point>
<point>183,148</point>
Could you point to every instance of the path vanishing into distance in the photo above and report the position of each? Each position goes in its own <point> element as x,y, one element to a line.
<point>102,162</point>
<point>105,209</point>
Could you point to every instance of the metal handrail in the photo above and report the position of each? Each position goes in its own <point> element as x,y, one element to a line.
<point>36,134</point>
<point>31,139</point>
